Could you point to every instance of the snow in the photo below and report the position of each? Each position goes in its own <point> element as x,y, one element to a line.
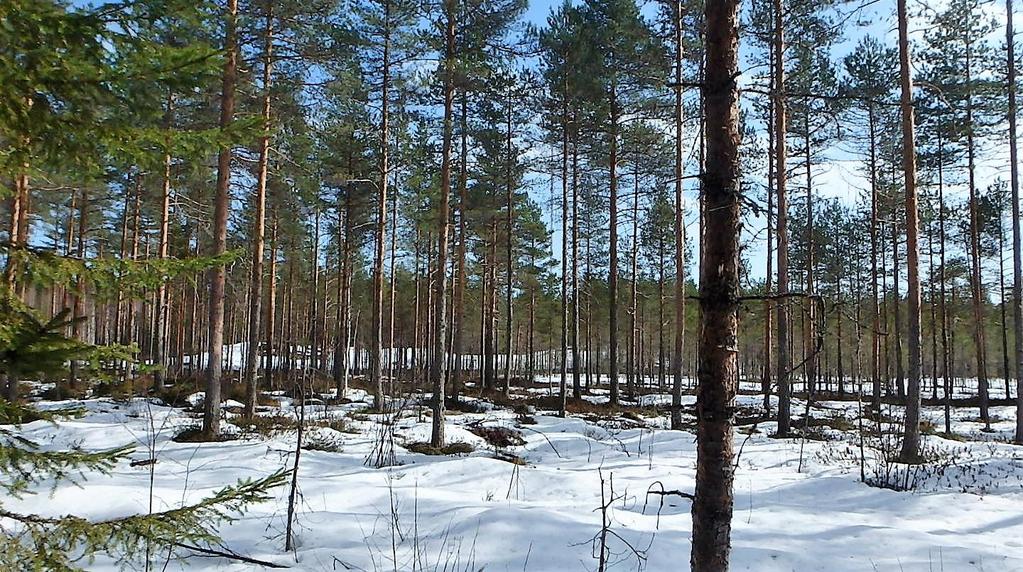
<point>475,511</point>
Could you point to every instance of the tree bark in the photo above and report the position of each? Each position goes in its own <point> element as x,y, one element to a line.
<point>259,226</point>
<point>218,274</point>
<point>437,364</point>
<point>783,373</point>
<point>719,291</point>
<point>509,246</point>
<point>680,245</point>
<point>376,328</point>
<point>911,440</point>
<point>1017,250</point>
<point>875,330</point>
<point>460,252</point>
<point>612,273</point>
<point>975,279</point>
<point>163,251</point>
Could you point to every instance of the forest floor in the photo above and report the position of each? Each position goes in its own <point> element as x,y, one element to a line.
<point>528,496</point>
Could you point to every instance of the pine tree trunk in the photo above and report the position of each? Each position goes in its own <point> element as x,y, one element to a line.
<point>900,374</point>
<point>437,365</point>
<point>376,329</point>
<point>719,291</point>
<point>460,251</point>
<point>780,173</point>
<point>612,274</point>
<point>1003,320</point>
<point>911,440</point>
<point>259,227</point>
<point>271,310</point>
<point>576,380</point>
<point>78,302</point>
<point>679,228</point>
<point>875,330</point>
<point>765,379</point>
<point>563,384</point>
<point>218,274</point>
<point>810,324</point>
<point>1017,249</point>
<point>634,337</point>
<point>163,252</point>
<point>509,245</point>
<point>975,278</point>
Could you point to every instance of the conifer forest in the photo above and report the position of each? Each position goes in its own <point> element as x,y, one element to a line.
<point>492,285</point>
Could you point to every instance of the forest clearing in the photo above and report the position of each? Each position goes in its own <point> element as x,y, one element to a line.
<point>524,493</point>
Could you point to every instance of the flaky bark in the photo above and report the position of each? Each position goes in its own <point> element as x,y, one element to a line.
<point>911,440</point>
<point>719,291</point>
<point>217,275</point>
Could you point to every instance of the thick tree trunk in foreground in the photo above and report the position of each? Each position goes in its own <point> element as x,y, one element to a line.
<point>719,290</point>
<point>217,275</point>
<point>911,440</point>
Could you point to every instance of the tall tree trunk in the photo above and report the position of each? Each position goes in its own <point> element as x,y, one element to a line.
<point>392,292</point>
<point>911,440</point>
<point>1003,319</point>
<point>810,324</point>
<point>719,291</point>
<point>509,245</point>
<point>163,252</point>
<point>783,373</point>
<point>900,374</point>
<point>765,379</point>
<point>460,251</point>
<point>679,222</point>
<point>78,303</point>
<point>259,226</point>
<point>563,384</point>
<point>661,350</point>
<point>975,278</point>
<point>437,365</point>
<point>1017,250</point>
<point>271,308</point>
<point>934,313</point>
<point>576,381</point>
<point>376,328</point>
<point>875,330</point>
<point>18,234</point>
<point>612,273</point>
<point>218,274</point>
<point>312,360</point>
<point>634,336</point>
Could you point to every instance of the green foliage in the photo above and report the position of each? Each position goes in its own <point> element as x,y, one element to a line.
<point>30,346</point>
<point>108,277</point>
<point>69,542</point>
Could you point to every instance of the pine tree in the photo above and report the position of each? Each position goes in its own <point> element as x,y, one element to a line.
<point>719,289</point>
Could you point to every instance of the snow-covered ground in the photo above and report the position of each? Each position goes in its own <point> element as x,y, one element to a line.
<point>475,511</point>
